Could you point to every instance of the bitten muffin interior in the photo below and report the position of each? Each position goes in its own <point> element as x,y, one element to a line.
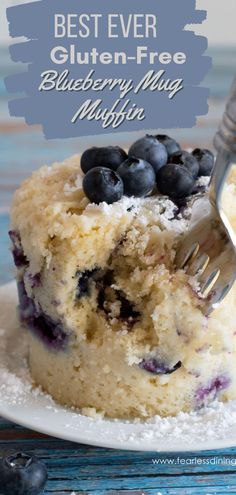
<point>113,327</point>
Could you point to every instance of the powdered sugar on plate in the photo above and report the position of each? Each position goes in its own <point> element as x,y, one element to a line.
<point>212,427</point>
<point>15,380</point>
<point>211,423</point>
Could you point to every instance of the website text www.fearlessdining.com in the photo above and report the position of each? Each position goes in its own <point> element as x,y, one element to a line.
<point>195,461</point>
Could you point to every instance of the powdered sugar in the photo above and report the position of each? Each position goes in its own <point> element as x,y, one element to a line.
<point>161,207</point>
<point>25,403</point>
<point>203,181</point>
<point>212,422</point>
<point>119,208</point>
<point>45,171</point>
<point>15,380</point>
<point>74,184</point>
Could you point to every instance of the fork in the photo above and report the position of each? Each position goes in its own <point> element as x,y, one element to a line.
<point>208,250</point>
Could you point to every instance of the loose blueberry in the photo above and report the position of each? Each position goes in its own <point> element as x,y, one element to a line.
<point>175,181</point>
<point>157,367</point>
<point>19,257</point>
<point>110,157</point>
<point>186,160</point>
<point>138,177</point>
<point>102,184</point>
<point>22,474</point>
<point>170,144</point>
<point>151,150</point>
<point>205,160</point>
<point>49,331</point>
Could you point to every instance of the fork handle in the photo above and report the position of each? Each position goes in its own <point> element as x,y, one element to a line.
<point>225,138</point>
<point>225,144</point>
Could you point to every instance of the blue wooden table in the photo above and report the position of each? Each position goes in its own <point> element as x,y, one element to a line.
<point>89,470</point>
<point>78,468</point>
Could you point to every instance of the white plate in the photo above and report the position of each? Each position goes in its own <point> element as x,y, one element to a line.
<point>19,402</point>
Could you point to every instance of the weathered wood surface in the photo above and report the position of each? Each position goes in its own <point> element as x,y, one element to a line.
<point>91,470</point>
<point>76,467</point>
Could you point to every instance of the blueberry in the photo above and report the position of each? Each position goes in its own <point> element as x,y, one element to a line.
<point>205,160</point>
<point>175,181</point>
<point>22,474</point>
<point>186,160</point>
<point>127,311</point>
<point>212,390</point>
<point>181,209</point>
<point>200,188</point>
<point>110,157</point>
<point>19,257</point>
<point>102,184</point>
<point>84,283</point>
<point>106,293</point>
<point>26,304</point>
<point>104,283</point>
<point>170,144</point>
<point>34,280</point>
<point>138,177</point>
<point>151,150</point>
<point>157,367</point>
<point>49,331</point>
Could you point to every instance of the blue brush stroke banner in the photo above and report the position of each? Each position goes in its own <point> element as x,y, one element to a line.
<point>96,67</point>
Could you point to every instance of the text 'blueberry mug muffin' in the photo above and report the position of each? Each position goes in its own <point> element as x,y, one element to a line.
<point>112,325</point>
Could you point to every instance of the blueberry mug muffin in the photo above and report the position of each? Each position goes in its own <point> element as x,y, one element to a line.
<point>112,326</point>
